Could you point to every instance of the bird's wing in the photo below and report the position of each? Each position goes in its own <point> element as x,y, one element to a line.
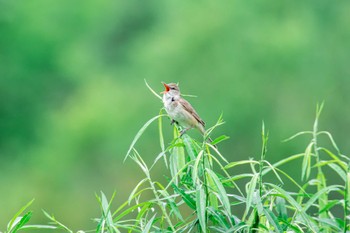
<point>188,107</point>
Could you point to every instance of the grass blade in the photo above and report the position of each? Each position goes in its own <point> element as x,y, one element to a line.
<point>219,139</point>
<point>161,138</point>
<point>297,135</point>
<point>201,200</point>
<point>149,225</point>
<point>250,193</point>
<point>221,191</point>
<point>306,165</point>
<point>11,224</point>
<point>21,222</point>
<point>132,194</point>
<point>272,219</point>
<point>59,224</point>
<point>139,134</point>
<point>155,93</point>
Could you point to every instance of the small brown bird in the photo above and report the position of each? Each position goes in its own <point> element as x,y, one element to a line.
<point>181,111</point>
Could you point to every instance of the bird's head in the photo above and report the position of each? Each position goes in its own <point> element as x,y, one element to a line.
<point>171,88</point>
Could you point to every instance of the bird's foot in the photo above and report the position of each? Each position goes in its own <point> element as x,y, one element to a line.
<point>173,121</point>
<point>182,132</point>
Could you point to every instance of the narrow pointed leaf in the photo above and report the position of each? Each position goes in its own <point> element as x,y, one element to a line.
<point>201,207</point>
<point>139,134</point>
<point>221,191</point>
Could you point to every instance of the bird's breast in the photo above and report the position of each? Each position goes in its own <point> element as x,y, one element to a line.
<point>177,112</point>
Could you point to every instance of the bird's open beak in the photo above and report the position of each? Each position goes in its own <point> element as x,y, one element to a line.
<point>167,88</point>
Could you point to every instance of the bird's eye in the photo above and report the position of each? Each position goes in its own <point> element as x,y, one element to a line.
<point>172,88</point>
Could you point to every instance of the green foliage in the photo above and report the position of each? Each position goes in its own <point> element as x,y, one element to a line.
<point>202,194</point>
<point>19,222</point>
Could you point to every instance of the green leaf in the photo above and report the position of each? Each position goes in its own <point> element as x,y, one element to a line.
<point>347,190</point>
<point>330,225</point>
<point>329,205</point>
<point>221,191</point>
<point>161,138</point>
<point>132,194</point>
<point>155,93</point>
<point>306,165</point>
<point>149,225</point>
<point>281,208</point>
<point>240,227</point>
<point>274,170</point>
<point>105,208</point>
<point>186,197</point>
<point>212,197</point>
<point>233,164</point>
<point>270,216</point>
<point>11,223</point>
<point>250,192</point>
<point>338,170</point>
<point>331,139</point>
<point>322,193</point>
<point>336,158</point>
<point>296,206</point>
<point>238,177</point>
<point>297,135</point>
<point>54,221</point>
<point>190,146</point>
<point>170,200</point>
<point>127,211</point>
<point>179,158</point>
<point>197,167</point>
<point>201,199</point>
<point>272,219</point>
<point>106,219</point>
<point>146,207</point>
<point>139,134</point>
<point>217,217</point>
<point>218,153</point>
<point>23,220</point>
<point>219,139</point>
<point>39,227</point>
<point>283,161</point>
<point>174,208</point>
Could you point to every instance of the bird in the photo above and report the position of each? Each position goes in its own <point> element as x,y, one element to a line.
<point>180,110</point>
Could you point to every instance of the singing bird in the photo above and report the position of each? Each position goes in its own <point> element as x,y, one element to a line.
<point>181,111</point>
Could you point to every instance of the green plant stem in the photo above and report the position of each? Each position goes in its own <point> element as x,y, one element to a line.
<point>264,137</point>
<point>323,199</point>
<point>346,199</point>
<point>160,202</point>
<point>262,158</point>
<point>205,182</point>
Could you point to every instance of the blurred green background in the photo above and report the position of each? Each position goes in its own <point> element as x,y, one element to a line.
<point>72,92</point>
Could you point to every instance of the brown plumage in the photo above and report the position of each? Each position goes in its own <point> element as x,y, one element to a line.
<point>188,107</point>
